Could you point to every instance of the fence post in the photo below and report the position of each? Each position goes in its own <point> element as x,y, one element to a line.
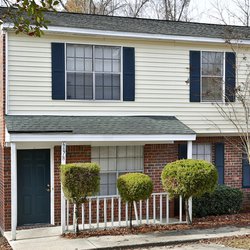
<point>190,208</point>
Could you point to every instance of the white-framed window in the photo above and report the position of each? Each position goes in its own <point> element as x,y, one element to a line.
<point>202,151</point>
<point>114,161</point>
<point>93,72</point>
<point>212,76</point>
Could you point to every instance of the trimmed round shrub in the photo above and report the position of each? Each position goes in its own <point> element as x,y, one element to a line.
<point>224,200</point>
<point>189,178</point>
<point>80,180</point>
<point>134,187</point>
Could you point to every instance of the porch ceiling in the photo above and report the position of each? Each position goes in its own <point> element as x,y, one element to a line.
<point>97,125</point>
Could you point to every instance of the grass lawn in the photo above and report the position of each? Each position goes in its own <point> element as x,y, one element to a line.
<point>242,242</point>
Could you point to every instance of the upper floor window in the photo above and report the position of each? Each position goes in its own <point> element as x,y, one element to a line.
<point>93,72</point>
<point>202,152</point>
<point>212,74</point>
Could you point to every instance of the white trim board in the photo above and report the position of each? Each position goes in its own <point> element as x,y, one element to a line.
<point>26,137</point>
<point>133,35</point>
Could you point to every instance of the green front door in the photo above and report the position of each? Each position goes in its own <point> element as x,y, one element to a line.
<point>33,186</point>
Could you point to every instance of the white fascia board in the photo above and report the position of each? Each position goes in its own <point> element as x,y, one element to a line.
<point>26,137</point>
<point>133,35</point>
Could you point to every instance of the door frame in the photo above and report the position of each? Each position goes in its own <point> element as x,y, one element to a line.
<point>52,192</point>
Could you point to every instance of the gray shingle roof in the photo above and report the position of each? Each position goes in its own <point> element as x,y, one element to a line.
<point>140,25</point>
<point>140,125</point>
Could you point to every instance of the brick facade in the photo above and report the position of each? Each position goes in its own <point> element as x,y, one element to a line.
<point>156,156</point>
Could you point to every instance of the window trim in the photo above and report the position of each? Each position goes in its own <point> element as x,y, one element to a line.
<point>223,77</point>
<point>93,72</point>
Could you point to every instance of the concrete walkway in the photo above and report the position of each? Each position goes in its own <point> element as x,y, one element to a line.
<point>49,239</point>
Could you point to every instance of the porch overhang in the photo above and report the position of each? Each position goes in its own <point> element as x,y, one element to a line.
<point>90,129</point>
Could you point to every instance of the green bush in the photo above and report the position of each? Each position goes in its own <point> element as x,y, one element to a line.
<point>134,187</point>
<point>189,178</point>
<point>80,180</point>
<point>224,200</point>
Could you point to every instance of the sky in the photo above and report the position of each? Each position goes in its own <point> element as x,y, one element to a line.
<point>205,11</point>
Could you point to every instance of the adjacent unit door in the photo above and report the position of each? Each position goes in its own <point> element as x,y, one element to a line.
<point>33,186</point>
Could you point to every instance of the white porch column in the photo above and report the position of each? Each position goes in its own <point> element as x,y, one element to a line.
<point>189,156</point>
<point>13,191</point>
<point>189,150</point>
<point>63,161</point>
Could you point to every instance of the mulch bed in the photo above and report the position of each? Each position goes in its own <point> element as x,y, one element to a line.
<point>242,219</point>
<point>4,245</point>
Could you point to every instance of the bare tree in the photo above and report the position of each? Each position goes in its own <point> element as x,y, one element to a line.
<point>174,10</point>
<point>101,7</point>
<point>135,8</point>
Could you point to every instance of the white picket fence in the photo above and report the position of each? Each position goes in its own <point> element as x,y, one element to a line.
<point>110,211</point>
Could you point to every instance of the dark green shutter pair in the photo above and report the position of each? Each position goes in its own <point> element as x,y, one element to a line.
<point>58,72</point>
<point>195,76</point>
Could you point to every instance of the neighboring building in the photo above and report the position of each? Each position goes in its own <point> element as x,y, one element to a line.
<point>131,94</point>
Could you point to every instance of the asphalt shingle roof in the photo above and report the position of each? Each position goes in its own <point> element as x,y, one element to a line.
<point>142,25</point>
<point>140,125</point>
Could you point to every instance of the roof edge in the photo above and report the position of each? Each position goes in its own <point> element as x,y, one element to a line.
<point>133,35</point>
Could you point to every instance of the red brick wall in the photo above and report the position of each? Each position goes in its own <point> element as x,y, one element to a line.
<point>156,156</point>
<point>4,152</point>
<point>74,154</point>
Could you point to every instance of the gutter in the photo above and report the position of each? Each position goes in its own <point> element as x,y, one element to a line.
<point>132,35</point>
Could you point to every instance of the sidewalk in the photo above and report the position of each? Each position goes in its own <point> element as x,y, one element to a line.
<point>49,239</point>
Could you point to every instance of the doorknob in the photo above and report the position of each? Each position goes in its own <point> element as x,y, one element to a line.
<point>48,188</point>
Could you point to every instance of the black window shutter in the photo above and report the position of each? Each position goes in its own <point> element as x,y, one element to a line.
<point>195,75</point>
<point>58,71</point>
<point>128,74</point>
<point>230,77</point>
<point>245,172</point>
<point>182,151</point>
<point>219,161</point>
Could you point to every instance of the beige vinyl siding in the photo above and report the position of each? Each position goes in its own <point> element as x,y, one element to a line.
<point>162,71</point>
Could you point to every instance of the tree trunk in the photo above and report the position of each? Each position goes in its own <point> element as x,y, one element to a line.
<point>131,209</point>
<point>76,219</point>
<point>189,222</point>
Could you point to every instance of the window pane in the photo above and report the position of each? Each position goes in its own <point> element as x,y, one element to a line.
<point>70,51</point>
<point>121,164</point>
<point>79,51</point>
<point>212,63</point>
<point>70,92</point>
<point>107,65</point>
<point>121,151</point>
<point>107,93</point>
<point>107,52</point>
<point>116,53</point>
<point>79,92</point>
<point>99,78</point>
<point>116,93</point>
<point>212,89</point>
<point>88,65</point>
<point>88,51</point>
<point>89,80</point>
<point>104,164</point>
<point>79,64</point>
<point>98,52</point>
<point>99,65</point>
<point>116,80</point>
<point>88,93</point>
<point>71,79</point>
<point>99,93</point>
<point>112,164</point>
<point>70,64</point>
<point>116,66</point>
<point>107,80</point>
<point>79,79</point>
